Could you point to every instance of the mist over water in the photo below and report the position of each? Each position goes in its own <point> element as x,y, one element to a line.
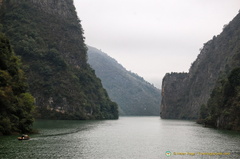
<point>128,137</point>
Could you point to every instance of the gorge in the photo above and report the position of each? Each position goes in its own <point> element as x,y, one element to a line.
<point>183,94</point>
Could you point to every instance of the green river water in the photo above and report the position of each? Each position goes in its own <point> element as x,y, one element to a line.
<point>126,138</point>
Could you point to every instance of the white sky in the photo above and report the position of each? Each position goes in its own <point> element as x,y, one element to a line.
<point>153,37</point>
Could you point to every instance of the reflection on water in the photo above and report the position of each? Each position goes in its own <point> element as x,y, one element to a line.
<point>126,138</point>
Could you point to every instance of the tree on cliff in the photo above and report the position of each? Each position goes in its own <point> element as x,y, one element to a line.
<point>16,104</point>
<point>223,108</point>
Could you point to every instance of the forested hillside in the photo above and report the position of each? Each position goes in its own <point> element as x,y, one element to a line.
<point>131,92</point>
<point>223,108</point>
<point>211,84</point>
<point>49,38</point>
<point>16,103</point>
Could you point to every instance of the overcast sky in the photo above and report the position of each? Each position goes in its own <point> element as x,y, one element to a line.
<point>153,37</point>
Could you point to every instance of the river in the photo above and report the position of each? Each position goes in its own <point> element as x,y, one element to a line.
<point>126,138</point>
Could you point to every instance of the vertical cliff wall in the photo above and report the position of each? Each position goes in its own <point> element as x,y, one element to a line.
<point>216,59</point>
<point>173,93</point>
<point>62,8</point>
<point>48,36</point>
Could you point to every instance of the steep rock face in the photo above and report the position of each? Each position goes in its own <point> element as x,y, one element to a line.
<point>132,93</point>
<point>62,8</point>
<point>47,34</point>
<point>216,59</point>
<point>172,92</point>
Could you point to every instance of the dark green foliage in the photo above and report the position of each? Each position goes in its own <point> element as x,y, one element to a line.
<point>16,104</point>
<point>203,113</point>
<point>54,55</point>
<point>234,78</point>
<point>224,107</point>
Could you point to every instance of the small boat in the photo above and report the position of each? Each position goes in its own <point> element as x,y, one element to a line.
<point>24,137</point>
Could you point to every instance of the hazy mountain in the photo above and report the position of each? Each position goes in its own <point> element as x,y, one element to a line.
<point>48,37</point>
<point>131,92</point>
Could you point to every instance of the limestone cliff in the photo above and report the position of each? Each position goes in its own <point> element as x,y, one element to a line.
<point>48,36</point>
<point>62,8</point>
<point>182,95</point>
<point>172,92</point>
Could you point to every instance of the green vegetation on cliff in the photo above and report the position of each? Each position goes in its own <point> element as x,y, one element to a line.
<point>186,94</point>
<point>49,38</point>
<point>223,107</point>
<point>16,103</point>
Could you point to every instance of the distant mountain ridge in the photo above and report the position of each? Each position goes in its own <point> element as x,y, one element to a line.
<point>131,92</point>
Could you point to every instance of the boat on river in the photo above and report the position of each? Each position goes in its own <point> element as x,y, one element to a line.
<point>24,137</point>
